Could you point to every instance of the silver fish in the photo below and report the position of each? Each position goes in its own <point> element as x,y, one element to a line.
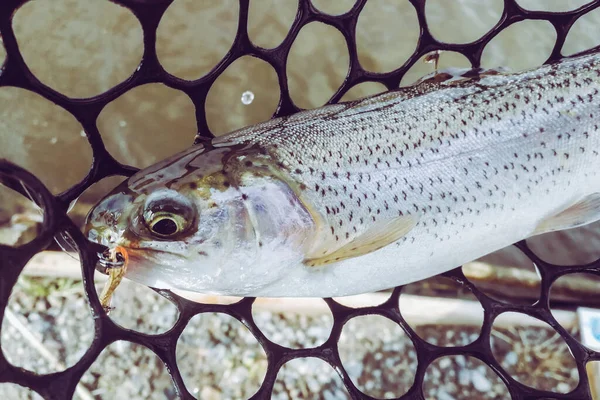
<point>370,194</point>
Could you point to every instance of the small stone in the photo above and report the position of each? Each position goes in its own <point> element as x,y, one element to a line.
<point>445,363</point>
<point>574,374</point>
<point>464,377</point>
<point>563,387</point>
<point>480,382</point>
<point>443,395</point>
<point>511,358</point>
<point>210,393</point>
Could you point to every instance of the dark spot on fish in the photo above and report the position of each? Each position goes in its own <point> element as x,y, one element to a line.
<point>248,163</point>
<point>203,253</point>
<point>260,244</point>
<point>193,186</point>
<point>226,184</point>
<point>244,196</point>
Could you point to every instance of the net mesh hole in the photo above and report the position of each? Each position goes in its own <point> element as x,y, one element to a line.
<point>243,372</point>
<point>538,357</point>
<point>509,50</point>
<point>147,108</point>
<point>381,361</point>
<point>480,16</point>
<point>187,57</point>
<point>320,52</point>
<point>467,378</point>
<point>389,28</point>
<point>245,93</point>
<point>96,51</point>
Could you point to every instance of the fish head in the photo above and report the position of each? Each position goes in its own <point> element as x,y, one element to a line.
<point>203,230</point>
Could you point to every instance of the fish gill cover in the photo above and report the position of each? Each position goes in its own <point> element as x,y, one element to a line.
<point>62,385</point>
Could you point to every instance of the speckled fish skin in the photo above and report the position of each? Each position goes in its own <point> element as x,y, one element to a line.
<point>459,167</point>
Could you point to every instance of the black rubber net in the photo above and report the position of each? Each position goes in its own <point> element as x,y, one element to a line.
<point>62,385</point>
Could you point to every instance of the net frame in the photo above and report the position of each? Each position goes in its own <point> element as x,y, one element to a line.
<point>61,385</point>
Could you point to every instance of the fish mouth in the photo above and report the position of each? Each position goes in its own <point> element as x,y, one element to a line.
<point>106,260</point>
<point>136,258</point>
<point>112,256</point>
<point>108,242</point>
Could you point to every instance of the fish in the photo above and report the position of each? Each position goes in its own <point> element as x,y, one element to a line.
<point>369,194</point>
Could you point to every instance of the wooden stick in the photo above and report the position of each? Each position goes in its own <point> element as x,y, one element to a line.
<point>525,284</point>
<point>56,264</point>
<point>418,310</point>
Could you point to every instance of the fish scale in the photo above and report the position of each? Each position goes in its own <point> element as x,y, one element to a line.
<point>361,163</point>
<point>390,189</point>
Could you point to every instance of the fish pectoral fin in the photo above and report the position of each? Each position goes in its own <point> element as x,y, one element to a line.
<point>374,238</point>
<point>583,212</point>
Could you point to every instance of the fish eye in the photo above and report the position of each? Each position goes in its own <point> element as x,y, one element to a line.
<point>168,214</point>
<point>165,226</point>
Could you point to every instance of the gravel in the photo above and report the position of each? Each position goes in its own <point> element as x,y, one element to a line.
<point>220,359</point>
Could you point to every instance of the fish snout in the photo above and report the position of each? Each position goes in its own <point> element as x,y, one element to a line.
<point>105,222</point>
<point>102,235</point>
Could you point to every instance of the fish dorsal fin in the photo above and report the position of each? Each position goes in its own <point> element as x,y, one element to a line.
<point>583,212</point>
<point>453,75</point>
<point>377,236</point>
